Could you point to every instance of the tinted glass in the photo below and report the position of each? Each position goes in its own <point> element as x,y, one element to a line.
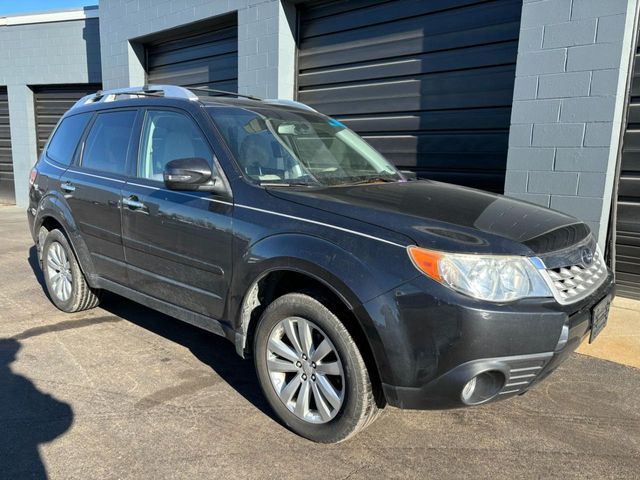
<point>108,141</point>
<point>65,139</point>
<point>168,136</point>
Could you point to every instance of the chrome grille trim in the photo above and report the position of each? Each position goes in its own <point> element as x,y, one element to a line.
<point>572,283</point>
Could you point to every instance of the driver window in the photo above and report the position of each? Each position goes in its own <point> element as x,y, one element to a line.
<point>168,136</point>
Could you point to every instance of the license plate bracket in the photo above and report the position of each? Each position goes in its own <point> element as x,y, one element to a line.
<point>599,317</point>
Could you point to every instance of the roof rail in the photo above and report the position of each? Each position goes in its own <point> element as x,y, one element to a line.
<point>223,92</point>
<point>146,90</point>
<point>289,103</point>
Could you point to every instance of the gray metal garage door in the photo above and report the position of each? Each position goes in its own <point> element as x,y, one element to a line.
<point>205,55</point>
<point>628,216</point>
<point>7,191</point>
<point>429,83</point>
<point>51,102</point>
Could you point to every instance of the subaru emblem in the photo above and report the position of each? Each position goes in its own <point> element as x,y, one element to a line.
<point>587,256</point>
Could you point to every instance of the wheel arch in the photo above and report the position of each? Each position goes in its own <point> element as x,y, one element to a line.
<point>276,282</point>
<point>55,213</point>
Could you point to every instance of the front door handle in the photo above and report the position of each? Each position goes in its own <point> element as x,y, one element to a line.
<point>133,203</point>
<point>67,187</point>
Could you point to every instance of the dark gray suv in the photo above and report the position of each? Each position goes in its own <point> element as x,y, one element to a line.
<point>351,284</point>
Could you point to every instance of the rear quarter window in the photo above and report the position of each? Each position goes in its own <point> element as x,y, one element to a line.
<point>65,139</point>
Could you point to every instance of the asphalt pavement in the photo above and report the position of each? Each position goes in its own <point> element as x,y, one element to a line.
<point>124,392</point>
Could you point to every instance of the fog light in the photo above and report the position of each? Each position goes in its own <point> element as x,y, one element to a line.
<point>483,387</point>
<point>468,389</point>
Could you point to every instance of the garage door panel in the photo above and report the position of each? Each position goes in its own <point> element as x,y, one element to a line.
<point>7,189</point>
<point>430,84</point>
<point>453,20</point>
<point>402,44</point>
<point>628,210</point>
<point>197,73</point>
<point>629,186</point>
<point>200,52</point>
<point>382,13</point>
<point>471,57</point>
<point>489,118</point>
<point>186,41</point>
<point>190,56</point>
<point>628,215</point>
<point>631,163</point>
<point>51,102</point>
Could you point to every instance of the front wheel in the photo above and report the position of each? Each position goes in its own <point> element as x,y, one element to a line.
<point>311,370</point>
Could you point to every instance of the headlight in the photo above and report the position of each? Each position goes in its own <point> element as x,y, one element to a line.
<point>496,278</point>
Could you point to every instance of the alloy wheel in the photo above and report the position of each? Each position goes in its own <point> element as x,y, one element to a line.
<point>59,272</point>
<point>305,370</point>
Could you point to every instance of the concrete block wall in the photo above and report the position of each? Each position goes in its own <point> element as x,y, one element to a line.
<point>569,95</point>
<point>42,53</point>
<point>266,46</point>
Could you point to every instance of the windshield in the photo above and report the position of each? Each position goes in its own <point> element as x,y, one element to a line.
<point>286,147</point>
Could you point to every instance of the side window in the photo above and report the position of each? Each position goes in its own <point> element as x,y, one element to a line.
<point>65,139</point>
<point>108,141</point>
<point>167,136</point>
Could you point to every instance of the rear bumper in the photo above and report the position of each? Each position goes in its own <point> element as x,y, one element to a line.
<point>447,344</point>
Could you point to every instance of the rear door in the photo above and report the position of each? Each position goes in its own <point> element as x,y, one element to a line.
<point>177,244</point>
<point>93,189</point>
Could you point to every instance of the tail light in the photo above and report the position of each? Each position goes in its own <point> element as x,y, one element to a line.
<point>32,176</point>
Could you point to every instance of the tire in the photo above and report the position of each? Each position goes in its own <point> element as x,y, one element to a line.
<point>344,369</point>
<point>66,284</point>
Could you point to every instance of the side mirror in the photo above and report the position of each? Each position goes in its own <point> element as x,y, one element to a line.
<point>191,174</point>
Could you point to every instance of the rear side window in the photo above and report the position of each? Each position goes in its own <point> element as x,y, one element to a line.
<point>65,139</point>
<point>108,141</point>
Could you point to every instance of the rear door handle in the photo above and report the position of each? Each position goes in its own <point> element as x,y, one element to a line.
<point>133,203</point>
<point>67,187</point>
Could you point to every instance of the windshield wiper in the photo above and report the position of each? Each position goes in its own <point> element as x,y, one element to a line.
<point>374,180</point>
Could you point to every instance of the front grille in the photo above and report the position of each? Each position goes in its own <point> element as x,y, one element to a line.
<point>574,282</point>
<point>523,372</point>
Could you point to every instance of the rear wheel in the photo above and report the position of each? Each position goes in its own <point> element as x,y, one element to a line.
<point>66,284</point>
<point>311,370</point>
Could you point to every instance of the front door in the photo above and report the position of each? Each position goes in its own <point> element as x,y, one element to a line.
<point>177,244</point>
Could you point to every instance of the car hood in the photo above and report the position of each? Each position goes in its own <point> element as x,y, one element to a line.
<point>447,217</point>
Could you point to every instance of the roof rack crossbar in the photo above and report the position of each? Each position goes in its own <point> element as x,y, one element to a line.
<point>146,90</point>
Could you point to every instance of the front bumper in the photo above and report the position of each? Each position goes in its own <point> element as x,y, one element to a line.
<point>429,345</point>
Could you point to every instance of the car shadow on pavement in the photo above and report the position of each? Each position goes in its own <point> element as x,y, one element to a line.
<point>28,418</point>
<point>215,351</point>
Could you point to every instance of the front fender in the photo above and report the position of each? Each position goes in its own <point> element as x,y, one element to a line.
<point>348,276</point>
<point>53,205</point>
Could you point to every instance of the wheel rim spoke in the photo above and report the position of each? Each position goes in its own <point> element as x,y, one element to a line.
<point>331,368</point>
<point>311,389</point>
<point>306,341</point>
<point>290,389</point>
<point>281,366</point>
<point>328,391</point>
<point>292,335</point>
<point>321,403</point>
<point>279,347</point>
<point>302,402</point>
<point>322,351</point>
